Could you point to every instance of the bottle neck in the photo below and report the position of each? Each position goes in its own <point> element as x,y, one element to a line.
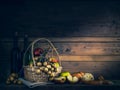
<point>15,40</point>
<point>25,42</point>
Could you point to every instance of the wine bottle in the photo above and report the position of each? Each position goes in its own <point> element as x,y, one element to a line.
<point>15,55</point>
<point>27,56</point>
<point>26,42</point>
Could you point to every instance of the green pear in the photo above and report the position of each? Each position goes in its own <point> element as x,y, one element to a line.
<point>60,79</point>
<point>65,74</point>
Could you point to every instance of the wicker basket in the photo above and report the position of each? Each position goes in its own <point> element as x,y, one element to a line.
<point>41,72</point>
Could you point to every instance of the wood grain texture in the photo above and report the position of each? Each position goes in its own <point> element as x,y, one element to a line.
<point>73,39</point>
<point>76,48</point>
<point>88,48</point>
<point>90,58</point>
<point>97,55</point>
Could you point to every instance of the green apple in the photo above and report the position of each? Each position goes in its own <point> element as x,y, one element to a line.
<point>64,74</point>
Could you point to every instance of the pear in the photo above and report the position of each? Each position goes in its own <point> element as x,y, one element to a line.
<point>64,74</point>
<point>60,79</point>
<point>72,79</point>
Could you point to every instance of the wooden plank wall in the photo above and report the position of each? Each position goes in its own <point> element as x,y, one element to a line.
<point>97,55</point>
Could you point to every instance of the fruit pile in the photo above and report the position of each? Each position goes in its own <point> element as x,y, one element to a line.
<point>42,66</point>
<point>81,77</point>
<point>13,79</point>
<point>47,69</point>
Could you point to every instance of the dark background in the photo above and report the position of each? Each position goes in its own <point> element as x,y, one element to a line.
<point>60,18</point>
<point>68,18</point>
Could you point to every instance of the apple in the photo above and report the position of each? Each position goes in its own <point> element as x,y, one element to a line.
<point>72,79</point>
<point>38,51</point>
<point>53,60</point>
<point>79,74</point>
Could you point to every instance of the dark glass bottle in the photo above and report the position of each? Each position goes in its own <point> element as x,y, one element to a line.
<point>26,43</point>
<point>15,55</point>
<point>25,46</point>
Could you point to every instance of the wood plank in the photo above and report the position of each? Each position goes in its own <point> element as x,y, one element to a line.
<point>87,39</point>
<point>90,58</point>
<point>73,39</point>
<point>76,48</point>
<point>88,48</point>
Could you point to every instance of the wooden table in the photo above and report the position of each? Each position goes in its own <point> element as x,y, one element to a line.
<point>116,86</point>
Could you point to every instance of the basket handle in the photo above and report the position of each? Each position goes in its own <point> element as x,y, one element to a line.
<point>32,44</point>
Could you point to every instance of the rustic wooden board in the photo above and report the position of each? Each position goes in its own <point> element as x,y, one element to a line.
<point>97,55</point>
<point>89,58</point>
<point>83,39</point>
<point>79,48</point>
<point>88,48</point>
<point>72,39</point>
<point>76,48</point>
